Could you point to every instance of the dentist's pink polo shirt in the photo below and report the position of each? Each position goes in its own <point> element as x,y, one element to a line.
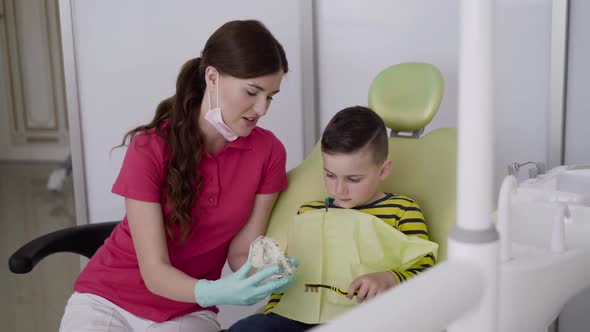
<point>231,179</point>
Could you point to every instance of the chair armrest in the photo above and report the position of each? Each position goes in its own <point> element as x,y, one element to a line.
<point>83,240</point>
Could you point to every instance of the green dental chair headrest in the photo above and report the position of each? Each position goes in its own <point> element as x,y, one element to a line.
<point>407,95</point>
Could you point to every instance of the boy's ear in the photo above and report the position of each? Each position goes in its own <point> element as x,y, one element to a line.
<point>385,169</point>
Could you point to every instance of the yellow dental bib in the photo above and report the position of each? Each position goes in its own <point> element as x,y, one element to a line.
<point>334,247</point>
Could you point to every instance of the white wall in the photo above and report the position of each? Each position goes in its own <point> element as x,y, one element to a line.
<point>358,39</point>
<point>129,54</point>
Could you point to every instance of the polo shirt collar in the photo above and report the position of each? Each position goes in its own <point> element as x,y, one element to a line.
<point>242,143</point>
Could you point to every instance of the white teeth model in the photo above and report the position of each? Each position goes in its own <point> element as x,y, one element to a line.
<point>265,252</point>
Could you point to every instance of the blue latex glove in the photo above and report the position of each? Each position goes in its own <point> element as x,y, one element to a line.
<point>238,288</point>
<point>294,262</point>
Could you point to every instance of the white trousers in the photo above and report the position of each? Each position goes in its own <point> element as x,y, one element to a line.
<point>88,312</point>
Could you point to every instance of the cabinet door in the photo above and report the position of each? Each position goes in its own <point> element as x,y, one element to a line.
<point>33,116</point>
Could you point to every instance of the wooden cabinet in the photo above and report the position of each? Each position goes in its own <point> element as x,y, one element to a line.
<point>33,123</point>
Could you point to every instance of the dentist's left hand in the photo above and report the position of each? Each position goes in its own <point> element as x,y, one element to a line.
<point>295,263</point>
<point>238,288</point>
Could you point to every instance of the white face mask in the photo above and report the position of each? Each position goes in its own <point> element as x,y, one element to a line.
<point>213,115</point>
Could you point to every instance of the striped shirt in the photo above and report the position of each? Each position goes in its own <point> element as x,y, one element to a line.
<point>398,211</point>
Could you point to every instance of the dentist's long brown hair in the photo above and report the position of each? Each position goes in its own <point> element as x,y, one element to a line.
<point>242,49</point>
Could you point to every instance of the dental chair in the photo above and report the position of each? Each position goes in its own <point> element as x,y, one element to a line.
<point>407,97</point>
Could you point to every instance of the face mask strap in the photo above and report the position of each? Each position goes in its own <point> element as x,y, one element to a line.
<point>209,98</point>
<point>216,93</point>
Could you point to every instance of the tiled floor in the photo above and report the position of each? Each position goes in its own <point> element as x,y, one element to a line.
<point>33,302</point>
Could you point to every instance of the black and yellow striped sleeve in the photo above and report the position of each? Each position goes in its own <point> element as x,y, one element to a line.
<point>272,302</point>
<point>412,223</point>
<point>404,214</point>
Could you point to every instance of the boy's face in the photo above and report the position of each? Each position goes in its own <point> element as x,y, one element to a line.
<point>353,179</point>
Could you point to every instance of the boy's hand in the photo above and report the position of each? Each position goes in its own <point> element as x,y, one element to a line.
<point>370,285</point>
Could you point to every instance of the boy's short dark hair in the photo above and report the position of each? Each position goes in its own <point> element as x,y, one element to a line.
<point>354,128</point>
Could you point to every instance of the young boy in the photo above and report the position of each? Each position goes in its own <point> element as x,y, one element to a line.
<point>354,151</point>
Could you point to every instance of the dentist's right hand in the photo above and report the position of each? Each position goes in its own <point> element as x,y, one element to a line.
<point>238,288</point>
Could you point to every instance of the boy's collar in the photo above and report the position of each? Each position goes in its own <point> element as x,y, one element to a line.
<point>330,202</point>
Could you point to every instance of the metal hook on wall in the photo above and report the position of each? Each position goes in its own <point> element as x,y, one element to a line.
<point>514,168</point>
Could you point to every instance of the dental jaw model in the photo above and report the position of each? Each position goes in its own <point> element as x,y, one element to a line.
<point>265,252</point>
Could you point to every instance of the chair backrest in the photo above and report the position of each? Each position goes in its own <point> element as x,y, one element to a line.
<point>407,97</point>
